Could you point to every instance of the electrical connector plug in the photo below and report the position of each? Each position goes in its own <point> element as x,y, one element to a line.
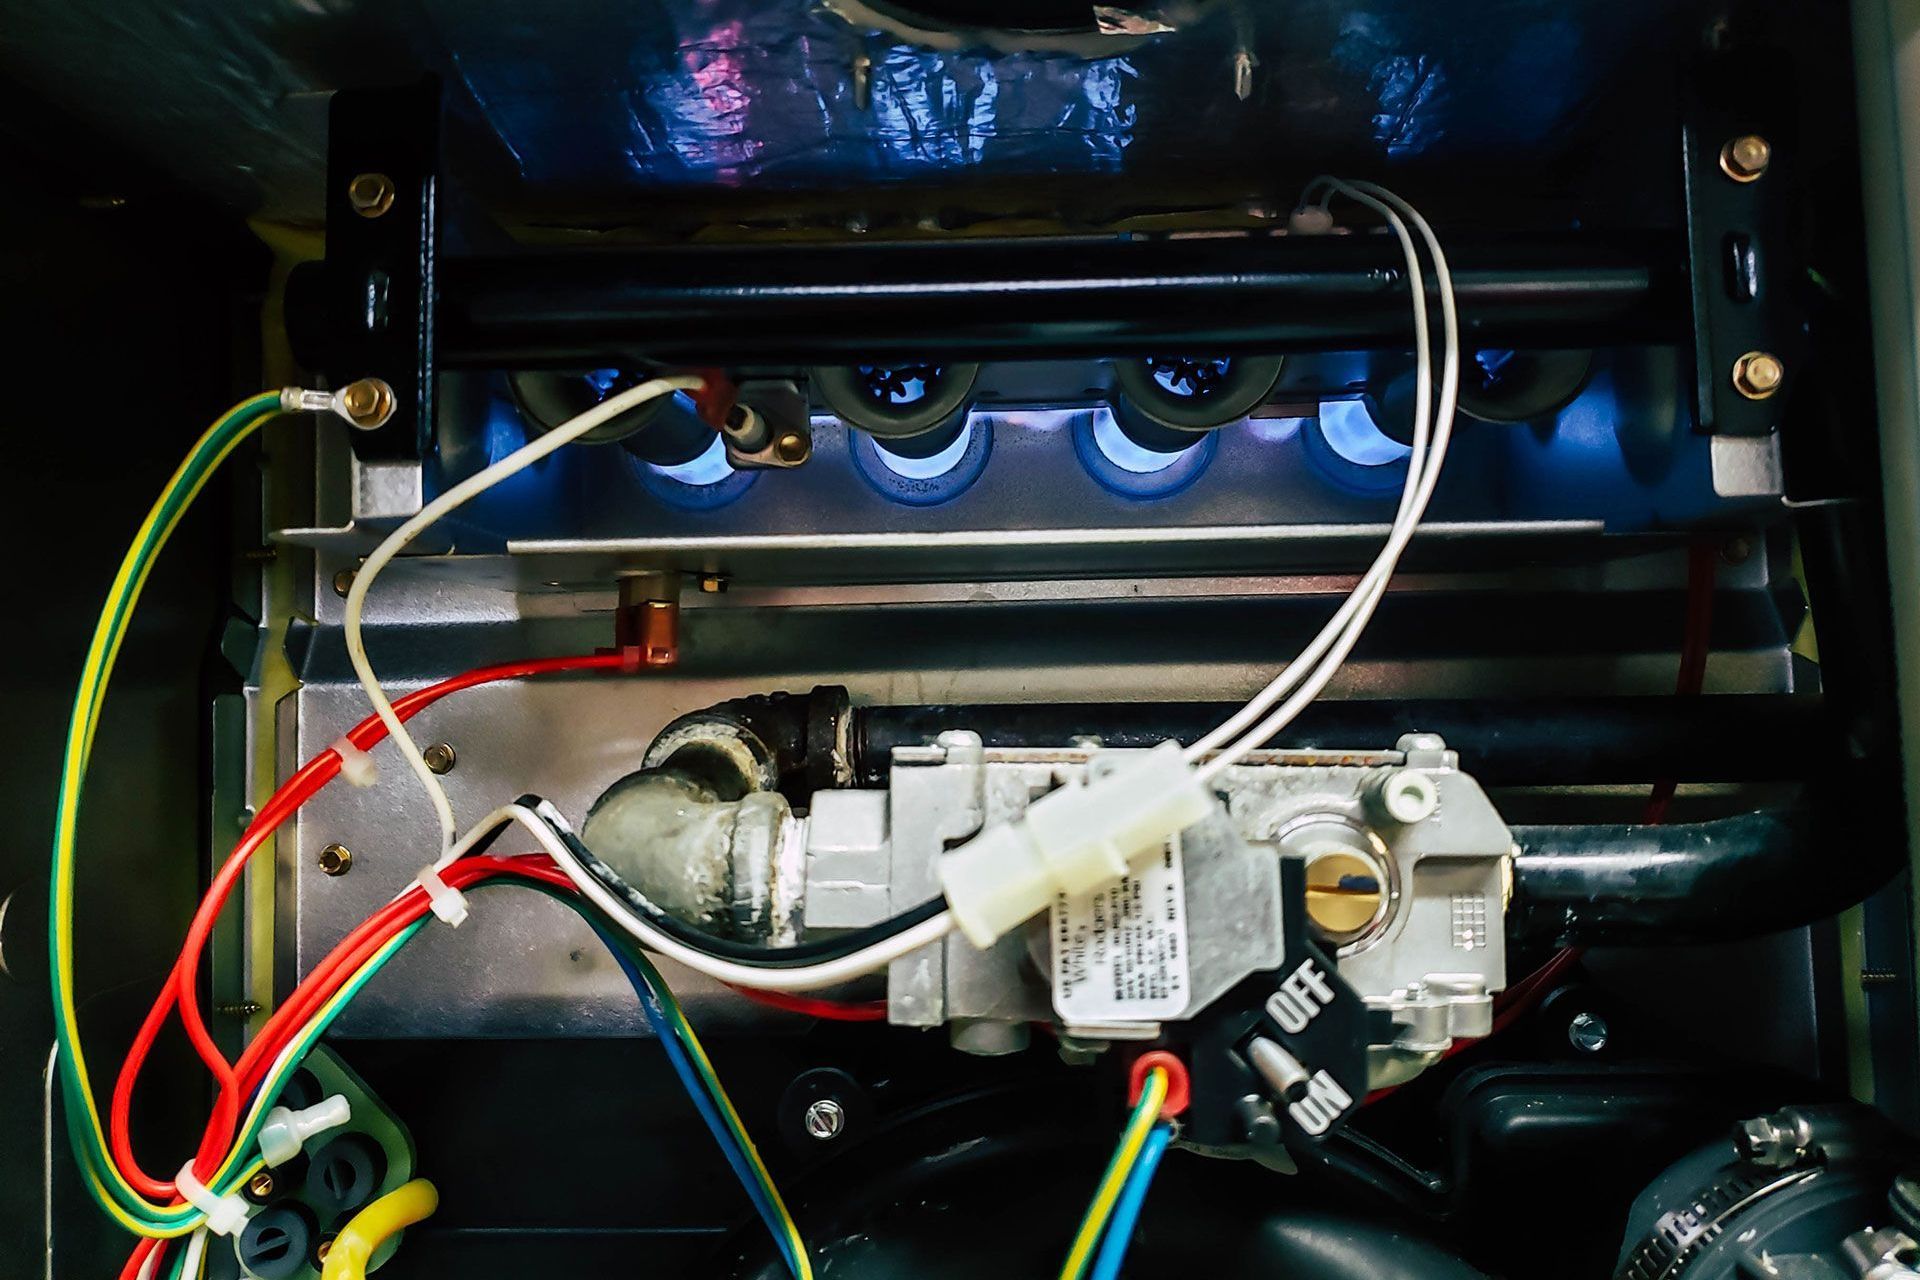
<point>226,1215</point>
<point>285,1133</point>
<point>1071,840</point>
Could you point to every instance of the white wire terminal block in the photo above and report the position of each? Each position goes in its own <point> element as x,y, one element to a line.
<point>285,1132</point>
<point>1071,840</point>
<point>226,1215</point>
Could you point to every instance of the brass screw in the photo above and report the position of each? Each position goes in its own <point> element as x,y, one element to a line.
<point>370,194</point>
<point>367,403</point>
<point>793,448</point>
<point>238,1009</point>
<point>1746,157</point>
<point>321,1250</point>
<point>1758,374</point>
<point>336,859</point>
<point>440,757</point>
<point>343,583</point>
<point>713,584</point>
<point>260,1185</point>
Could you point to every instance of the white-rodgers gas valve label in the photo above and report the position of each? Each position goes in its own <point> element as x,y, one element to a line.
<point>1120,952</point>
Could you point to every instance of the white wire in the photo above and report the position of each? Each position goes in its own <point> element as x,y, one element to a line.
<point>1360,606</point>
<point>519,460</point>
<point>193,1263</point>
<point>827,973</point>
<point>1317,662</point>
<point>1398,532</point>
<point>1373,588</point>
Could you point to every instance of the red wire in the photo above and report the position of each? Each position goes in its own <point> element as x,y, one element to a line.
<point>1701,561</point>
<point>831,1010</point>
<point>148,1245</point>
<point>181,990</point>
<point>326,978</point>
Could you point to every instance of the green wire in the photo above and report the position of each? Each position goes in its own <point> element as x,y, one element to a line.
<point>274,1084</point>
<point>104,1181</point>
<point>1119,1169</point>
<point>104,1177</point>
<point>792,1246</point>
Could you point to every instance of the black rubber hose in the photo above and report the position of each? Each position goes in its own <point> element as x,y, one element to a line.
<point>1737,877</point>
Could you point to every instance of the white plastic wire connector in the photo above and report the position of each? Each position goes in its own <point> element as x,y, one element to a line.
<point>1310,220</point>
<point>445,901</point>
<point>356,766</point>
<point>1071,840</point>
<point>285,1133</point>
<point>226,1215</point>
<point>303,400</point>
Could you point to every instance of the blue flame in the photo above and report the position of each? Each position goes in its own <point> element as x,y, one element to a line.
<point>931,467</point>
<point>710,468</point>
<point>1123,452</point>
<point>1349,430</point>
<point>505,431</point>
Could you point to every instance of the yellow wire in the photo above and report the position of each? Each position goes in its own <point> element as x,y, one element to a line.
<point>373,1226</point>
<point>145,569</point>
<point>266,1099</point>
<point>102,653</point>
<point>127,1220</point>
<point>1152,1097</point>
<point>787,1224</point>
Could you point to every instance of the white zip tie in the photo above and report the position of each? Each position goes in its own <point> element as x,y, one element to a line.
<point>356,766</point>
<point>226,1215</point>
<point>286,1131</point>
<point>446,901</point>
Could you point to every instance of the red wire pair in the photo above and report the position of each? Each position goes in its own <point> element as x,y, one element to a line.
<point>359,946</point>
<point>325,980</point>
<point>237,1081</point>
<point>181,989</point>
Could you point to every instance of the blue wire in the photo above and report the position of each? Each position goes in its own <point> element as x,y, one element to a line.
<point>1126,1210</point>
<point>683,1067</point>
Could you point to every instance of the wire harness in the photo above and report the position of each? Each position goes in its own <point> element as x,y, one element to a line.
<point>223,1215</point>
<point>1126,1158</point>
<point>1073,839</point>
<point>203,1198</point>
<point>455,497</point>
<point>1076,837</point>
